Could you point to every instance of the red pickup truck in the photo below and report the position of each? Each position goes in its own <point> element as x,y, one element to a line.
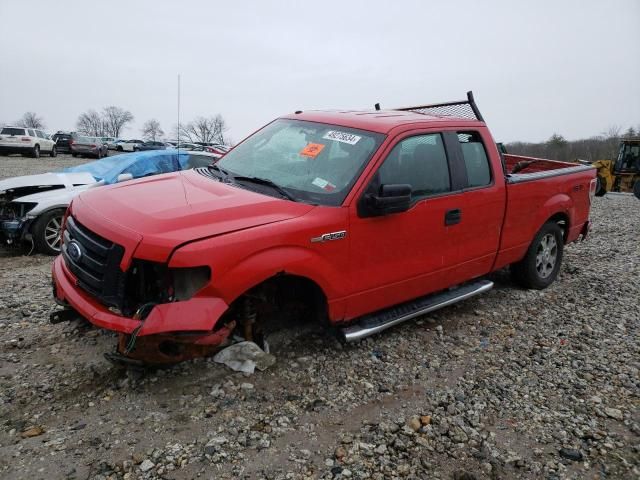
<point>365,218</point>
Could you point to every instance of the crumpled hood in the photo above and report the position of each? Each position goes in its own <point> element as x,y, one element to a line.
<point>176,208</point>
<point>28,184</point>
<point>58,198</point>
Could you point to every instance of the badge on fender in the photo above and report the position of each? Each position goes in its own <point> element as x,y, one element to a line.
<point>326,237</point>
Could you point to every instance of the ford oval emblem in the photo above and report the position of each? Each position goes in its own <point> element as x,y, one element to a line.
<point>74,250</point>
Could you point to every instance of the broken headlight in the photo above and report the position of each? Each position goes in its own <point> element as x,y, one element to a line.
<point>152,283</point>
<point>188,281</point>
<point>15,210</point>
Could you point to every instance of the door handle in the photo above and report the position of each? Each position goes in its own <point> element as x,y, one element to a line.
<point>452,217</point>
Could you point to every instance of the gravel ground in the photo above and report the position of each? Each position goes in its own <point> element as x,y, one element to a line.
<point>512,384</point>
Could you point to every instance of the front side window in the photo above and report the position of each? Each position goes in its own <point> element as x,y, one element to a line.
<point>475,159</point>
<point>419,161</point>
<point>313,162</point>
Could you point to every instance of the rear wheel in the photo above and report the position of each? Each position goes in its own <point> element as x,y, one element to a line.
<point>601,186</point>
<point>99,154</point>
<point>74,155</point>
<point>46,232</point>
<point>53,152</point>
<point>540,266</point>
<point>106,152</point>
<point>636,189</point>
<point>35,153</point>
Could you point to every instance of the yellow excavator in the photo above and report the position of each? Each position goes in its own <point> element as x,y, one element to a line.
<point>623,174</point>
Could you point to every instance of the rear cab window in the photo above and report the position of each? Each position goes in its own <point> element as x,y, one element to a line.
<point>32,133</point>
<point>475,159</point>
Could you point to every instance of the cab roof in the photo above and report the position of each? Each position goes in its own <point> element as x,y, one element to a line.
<point>380,121</point>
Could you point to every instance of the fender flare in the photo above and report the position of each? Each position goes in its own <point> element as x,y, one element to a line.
<point>558,205</point>
<point>264,264</point>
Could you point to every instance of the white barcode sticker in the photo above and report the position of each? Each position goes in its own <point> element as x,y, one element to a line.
<point>343,137</point>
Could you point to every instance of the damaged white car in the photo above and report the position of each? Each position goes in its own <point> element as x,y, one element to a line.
<point>32,207</point>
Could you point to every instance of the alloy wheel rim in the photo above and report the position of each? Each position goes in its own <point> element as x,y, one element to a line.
<point>546,255</point>
<point>52,233</point>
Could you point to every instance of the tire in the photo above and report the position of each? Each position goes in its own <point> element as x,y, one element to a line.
<point>106,152</point>
<point>44,231</point>
<point>53,152</point>
<point>74,155</point>
<point>119,149</point>
<point>636,189</point>
<point>35,153</point>
<point>601,186</point>
<point>540,266</point>
<point>99,154</point>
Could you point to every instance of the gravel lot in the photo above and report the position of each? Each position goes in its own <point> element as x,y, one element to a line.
<point>512,384</point>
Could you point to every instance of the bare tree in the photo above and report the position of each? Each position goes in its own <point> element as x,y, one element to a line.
<point>630,133</point>
<point>204,129</point>
<point>151,130</point>
<point>613,131</point>
<point>31,120</point>
<point>115,119</point>
<point>91,123</point>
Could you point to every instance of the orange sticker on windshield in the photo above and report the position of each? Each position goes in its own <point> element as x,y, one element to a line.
<point>312,150</point>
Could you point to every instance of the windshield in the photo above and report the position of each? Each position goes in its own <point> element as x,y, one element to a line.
<point>314,162</point>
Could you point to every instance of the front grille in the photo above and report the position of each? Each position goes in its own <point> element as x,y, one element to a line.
<point>95,261</point>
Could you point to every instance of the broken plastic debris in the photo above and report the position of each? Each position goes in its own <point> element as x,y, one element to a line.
<point>245,357</point>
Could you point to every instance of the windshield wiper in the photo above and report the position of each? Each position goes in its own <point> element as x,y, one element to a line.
<point>224,174</point>
<point>267,182</point>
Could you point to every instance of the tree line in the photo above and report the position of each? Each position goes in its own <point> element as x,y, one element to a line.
<point>112,121</point>
<point>599,147</point>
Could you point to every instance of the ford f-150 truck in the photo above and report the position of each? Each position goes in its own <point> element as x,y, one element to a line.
<point>365,218</point>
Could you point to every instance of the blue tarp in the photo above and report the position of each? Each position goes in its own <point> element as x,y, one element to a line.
<point>138,164</point>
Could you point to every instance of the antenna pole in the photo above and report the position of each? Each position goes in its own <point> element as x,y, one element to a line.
<point>178,113</point>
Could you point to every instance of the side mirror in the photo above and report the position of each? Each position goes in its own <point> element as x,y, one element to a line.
<point>393,198</point>
<point>123,177</point>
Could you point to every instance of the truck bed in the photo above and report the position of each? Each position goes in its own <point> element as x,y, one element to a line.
<point>538,189</point>
<point>531,168</point>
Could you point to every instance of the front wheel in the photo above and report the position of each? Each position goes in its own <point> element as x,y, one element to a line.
<point>53,152</point>
<point>46,232</point>
<point>540,266</point>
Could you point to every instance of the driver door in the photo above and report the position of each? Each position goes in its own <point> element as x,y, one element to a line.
<point>400,256</point>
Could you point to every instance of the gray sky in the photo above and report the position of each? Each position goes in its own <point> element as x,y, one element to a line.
<point>536,67</point>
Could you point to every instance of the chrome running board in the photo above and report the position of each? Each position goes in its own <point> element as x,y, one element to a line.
<point>379,321</point>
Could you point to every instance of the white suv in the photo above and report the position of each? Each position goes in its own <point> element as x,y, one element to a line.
<point>27,141</point>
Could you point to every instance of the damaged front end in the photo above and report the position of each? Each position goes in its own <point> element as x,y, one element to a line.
<point>14,222</point>
<point>148,284</point>
<point>162,314</point>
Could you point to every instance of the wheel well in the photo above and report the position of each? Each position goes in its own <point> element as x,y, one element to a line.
<point>282,297</point>
<point>562,219</point>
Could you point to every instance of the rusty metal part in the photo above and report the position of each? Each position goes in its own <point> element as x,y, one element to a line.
<point>249,315</point>
<point>167,349</point>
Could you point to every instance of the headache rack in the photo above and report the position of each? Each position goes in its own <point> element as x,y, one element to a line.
<point>458,109</point>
